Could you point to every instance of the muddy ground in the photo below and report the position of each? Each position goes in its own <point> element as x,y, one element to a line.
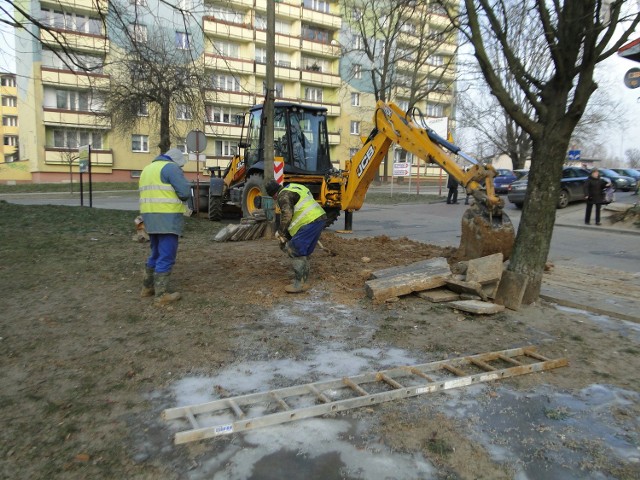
<point>87,368</point>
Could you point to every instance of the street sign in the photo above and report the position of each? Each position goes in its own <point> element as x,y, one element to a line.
<point>632,78</point>
<point>196,141</point>
<point>401,169</point>
<point>574,155</point>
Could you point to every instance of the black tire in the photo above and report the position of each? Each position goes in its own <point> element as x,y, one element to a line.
<point>563,199</point>
<point>251,191</point>
<point>215,208</point>
<point>332,216</point>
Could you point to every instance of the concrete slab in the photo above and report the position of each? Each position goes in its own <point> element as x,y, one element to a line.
<point>439,295</point>
<point>476,306</point>
<point>511,290</point>
<point>485,269</point>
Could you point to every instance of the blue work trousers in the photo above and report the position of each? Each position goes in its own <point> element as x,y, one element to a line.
<point>164,248</point>
<point>305,240</point>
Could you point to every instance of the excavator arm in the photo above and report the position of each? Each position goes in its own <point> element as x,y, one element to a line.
<point>393,126</point>
<point>485,227</point>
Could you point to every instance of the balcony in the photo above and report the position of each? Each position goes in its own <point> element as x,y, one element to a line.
<point>285,42</point>
<point>75,40</point>
<point>322,49</point>
<point>233,31</point>
<point>231,98</point>
<point>223,130</point>
<point>334,138</point>
<point>71,79</point>
<point>320,78</point>
<point>326,20</point>
<point>283,9</point>
<point>281,73</point>
<point>68,118</point>
<point>62,156</point>
<point>73,5</point>
<point>233,65</point>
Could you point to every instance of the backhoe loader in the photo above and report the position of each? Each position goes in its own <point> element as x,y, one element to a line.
<point>301,141</point>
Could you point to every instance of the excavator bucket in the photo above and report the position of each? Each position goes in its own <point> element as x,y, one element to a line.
<point>485,234</point>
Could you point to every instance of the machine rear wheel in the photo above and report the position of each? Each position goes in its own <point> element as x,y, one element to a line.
<point>251,194</point>
<point>215,208</point>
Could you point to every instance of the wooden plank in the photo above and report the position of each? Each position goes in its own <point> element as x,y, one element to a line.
<point>389,381</point>
<point>349,383</point>
<point>406,283</point>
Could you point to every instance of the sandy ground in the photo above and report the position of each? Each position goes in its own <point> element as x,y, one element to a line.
<point>88,367</point>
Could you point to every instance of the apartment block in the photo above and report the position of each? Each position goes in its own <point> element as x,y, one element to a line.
<point>66,70</point>
<point>9,114</point>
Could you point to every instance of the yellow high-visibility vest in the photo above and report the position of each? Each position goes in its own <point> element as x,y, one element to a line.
<point>156,196</point>
<point>305,211</point>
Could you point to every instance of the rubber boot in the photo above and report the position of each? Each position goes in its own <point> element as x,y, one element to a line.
<point>147,283</point>
<point>161,285</point>
<point>306,268</point>
<point>298,271</point>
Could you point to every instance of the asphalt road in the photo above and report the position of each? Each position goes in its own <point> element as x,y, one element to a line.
<point>439,224</point>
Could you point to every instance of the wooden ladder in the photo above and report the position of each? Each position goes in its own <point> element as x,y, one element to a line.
<point>256,410</point>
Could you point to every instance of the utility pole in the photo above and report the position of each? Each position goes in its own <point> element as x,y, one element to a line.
<point>267,114</point>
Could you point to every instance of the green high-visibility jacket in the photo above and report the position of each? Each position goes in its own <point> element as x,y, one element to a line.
<point>305,211</point>
<point>156,196</point>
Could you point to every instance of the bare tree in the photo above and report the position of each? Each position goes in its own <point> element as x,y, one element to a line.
<point>633,157</point>
<point>575,35</point>
<point>155,76</point>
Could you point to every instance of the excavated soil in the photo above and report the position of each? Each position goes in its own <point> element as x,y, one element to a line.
<point>87,366</point>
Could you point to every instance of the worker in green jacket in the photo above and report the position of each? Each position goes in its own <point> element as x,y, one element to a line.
<point>301,223</point>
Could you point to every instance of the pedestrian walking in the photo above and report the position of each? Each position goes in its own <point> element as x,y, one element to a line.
<point>452,185</point>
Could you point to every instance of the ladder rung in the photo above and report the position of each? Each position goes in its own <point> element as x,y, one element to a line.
<point>354,386</point>
<point>388,380</point>
<point>454,370</point>
<point>509,360</point>
<point>280,401</point>
<point>192,419</point>
<point>323,398</point>
<point>420,373</point>
<point>236,409</point>
<point>537,356</point>
<point>483,365</point>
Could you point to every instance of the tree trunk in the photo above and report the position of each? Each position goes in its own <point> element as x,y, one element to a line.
<point>539,212</point>
<point>165,127</point>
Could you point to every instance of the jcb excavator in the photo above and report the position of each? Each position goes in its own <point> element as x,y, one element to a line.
<point>301,141</point>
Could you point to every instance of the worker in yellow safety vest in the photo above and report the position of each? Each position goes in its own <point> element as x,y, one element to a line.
<point>301,223</point>
<point>163,188</point>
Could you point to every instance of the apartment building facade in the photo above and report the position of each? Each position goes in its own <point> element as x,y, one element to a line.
<point>63,81</point>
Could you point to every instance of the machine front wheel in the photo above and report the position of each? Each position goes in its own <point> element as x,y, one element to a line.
<point>251,194</point>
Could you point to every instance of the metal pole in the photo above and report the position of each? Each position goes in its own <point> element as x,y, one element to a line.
<point>197,174</point>
<point>90,180</point>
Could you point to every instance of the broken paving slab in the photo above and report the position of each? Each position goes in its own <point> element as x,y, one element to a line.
<point>429,276</point>
<point>511,289</point>
<point>461,286</point>
<point>423,265</point>
<point>439,295</point>
<point>485,269</point>
<point>477,306</point>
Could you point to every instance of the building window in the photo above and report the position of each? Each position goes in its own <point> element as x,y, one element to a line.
<point>261,55</point>
<point>355,128</point>
<point>227,15</point>
<point>317,5</point>
<point>223,114</point>
<point>11,141</point>
<point>315,34</point>
<point>226,49</point>
<point>72,100</point>
<point>313,94</point>
<point>138,33</point>
<point>358,43</point>
<point>181,144</point>
<point>227,83</point>
<point>182,40</point>
<point>140,3</point>
<point>139,143</point>
<point>75,22</point>
<point>8,81</point>
<point>143,108</point>
<point>10,121</point>
<point>9,102</point>
<point>183,112</point>
<point>355,99</point>
<point>404,105</point>
<point>225,148</point>
<point>72,61</point>
<point>435,110</point>
<point>73,138</point>
<point>435,60</point>
<point>353,152</point>
<point>357,71</point>
<point>10,158</point>
<point>316,64</point>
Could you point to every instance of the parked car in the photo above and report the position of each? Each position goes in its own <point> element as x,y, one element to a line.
<point>621,182</point>
<point>628,172</point>
<point>502,181</point>
<point>521,172</point>
<point>571,187</point>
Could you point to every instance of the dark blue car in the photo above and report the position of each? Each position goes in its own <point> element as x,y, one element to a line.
<point>502,181</point>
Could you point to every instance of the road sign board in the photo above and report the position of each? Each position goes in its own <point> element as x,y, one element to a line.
<point>196,141</point>
<point>401,169</point>
<point>574,155</point>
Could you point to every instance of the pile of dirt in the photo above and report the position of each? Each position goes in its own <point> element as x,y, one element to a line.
<point>627,218</point>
